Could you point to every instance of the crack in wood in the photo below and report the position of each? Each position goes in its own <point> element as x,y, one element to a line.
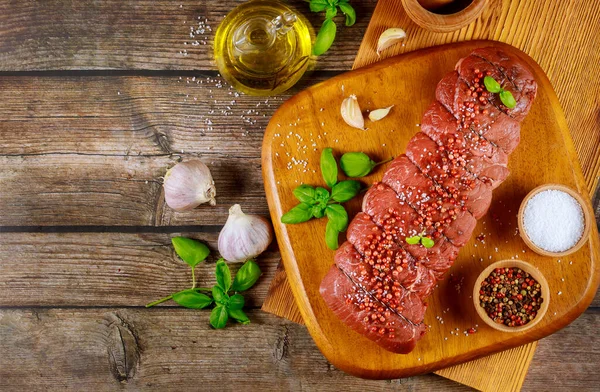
<point>123,348</point>
<point>282,345</point>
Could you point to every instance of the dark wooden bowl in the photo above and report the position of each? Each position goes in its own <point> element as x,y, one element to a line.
<point>443,23</point>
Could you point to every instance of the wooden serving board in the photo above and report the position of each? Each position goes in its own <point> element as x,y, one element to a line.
<point>311,121</point>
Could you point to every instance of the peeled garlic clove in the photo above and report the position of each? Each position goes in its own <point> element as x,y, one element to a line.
<point>189,184</point>
<point>378,114</point>
<point>389,38</point>
<point>351,113</point>
<point>244,236</point>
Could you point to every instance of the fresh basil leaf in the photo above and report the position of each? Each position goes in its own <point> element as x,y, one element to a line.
<point>220,296</point>
<point>413,240</point>
<point>305,194</point>
<point>491,85</point>
<point>322,194</point>
<point>331,12</point>
<point>219,317</point>
<point>338,216</point>
<point>223,275</point>
<point>236,302</point>
<point>507,99</point>
<point>319,211</point>
<point>189,250</point>
<point>329,168</point>
<point>345,190</point>
<point>192,299</point>
<point>318,5</point>
<point>427,242</point>
<point>246,276</point>
<point>325,37</point>
<point>331,236</point>
<point>239,316</point>
<point>349,12</point>
<point>356,164</point>
<point>301,213</point>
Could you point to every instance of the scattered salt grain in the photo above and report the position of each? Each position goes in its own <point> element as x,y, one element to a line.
<point>553,220</point>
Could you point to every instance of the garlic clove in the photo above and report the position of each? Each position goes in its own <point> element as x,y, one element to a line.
<point>378,114</point>
<point>351,113</point>
<point>189,184</point>
<point>390,37</point>
<point>244,236</point>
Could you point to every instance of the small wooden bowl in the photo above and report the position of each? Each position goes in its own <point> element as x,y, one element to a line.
<point>587,218</point>
<point>531,270</point>
<point>443,23</point>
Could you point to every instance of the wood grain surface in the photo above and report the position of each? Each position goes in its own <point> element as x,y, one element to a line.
<point>409,83</point>
<point>89,79</point>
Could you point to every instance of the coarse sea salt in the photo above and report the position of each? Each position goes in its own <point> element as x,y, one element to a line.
<point>553,220</point>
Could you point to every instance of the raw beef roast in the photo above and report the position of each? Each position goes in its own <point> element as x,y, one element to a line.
<point>379,283</point>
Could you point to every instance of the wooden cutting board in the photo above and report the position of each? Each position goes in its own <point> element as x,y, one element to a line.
<point>310,121</point>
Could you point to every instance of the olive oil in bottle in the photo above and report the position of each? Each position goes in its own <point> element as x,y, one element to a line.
<point>263,47</point>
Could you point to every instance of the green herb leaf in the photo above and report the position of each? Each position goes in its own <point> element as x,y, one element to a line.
<point>239,316</point>
<point>507,99</point>
<point>329,169</point>
<point>491,85</point>
<point>349,12</point>
<point>318,5</point>
<point>305,194</point>
<point>319,211</point>
<point>356,164</point>
<point>338,216</point>
<point>220,296</point>
<point>325,37</point>
<point>191,251</point>
<point>331,12</point>
<point>192,299</point>
<point>413,240</point>
<point>331,236</point>
<point>218,317</point>
<point>322,194</point>
<point>301,213</point>
<point>427,242</point>
<point>223,275</point>
<point>345,190</point>
<point>236,302</point>
<point>246,276</point>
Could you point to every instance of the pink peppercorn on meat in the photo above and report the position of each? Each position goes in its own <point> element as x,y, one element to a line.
<point>379,283</point>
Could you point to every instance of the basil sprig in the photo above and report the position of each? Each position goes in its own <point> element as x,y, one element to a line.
<point>425,241</point>
<point>494,87</point>
<point>326,34</point>
<point>317,202</point>
<point>226,306</point>
<point>358,164</point>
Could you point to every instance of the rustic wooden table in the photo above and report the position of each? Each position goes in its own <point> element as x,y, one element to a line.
<point>97,100</point>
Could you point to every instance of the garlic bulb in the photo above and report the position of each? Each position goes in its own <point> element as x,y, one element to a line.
<point>389,38</point>
<point>244,236</point>
<point>351,113</point>
<point>189,184</point>
<point>378,114</point>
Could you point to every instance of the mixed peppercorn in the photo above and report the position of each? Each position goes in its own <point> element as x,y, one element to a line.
<point>510,296</point>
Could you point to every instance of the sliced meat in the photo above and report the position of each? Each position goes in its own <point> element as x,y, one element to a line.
<point>383,288</point>
<point>449,171</point>
<point>429,202</point>
<point>488,122</point>
<point>522,83</point>
<point>357,309</point>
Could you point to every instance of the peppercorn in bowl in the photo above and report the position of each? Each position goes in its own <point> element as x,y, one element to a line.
<point>511,295</point>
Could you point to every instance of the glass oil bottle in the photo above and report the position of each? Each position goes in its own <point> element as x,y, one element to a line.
<point>263,47</point>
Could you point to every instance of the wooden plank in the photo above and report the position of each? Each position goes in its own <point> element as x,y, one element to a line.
<point>107,269</point>
<point>91,150</point>
<point>174,349</point>
<point>144,34</point>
